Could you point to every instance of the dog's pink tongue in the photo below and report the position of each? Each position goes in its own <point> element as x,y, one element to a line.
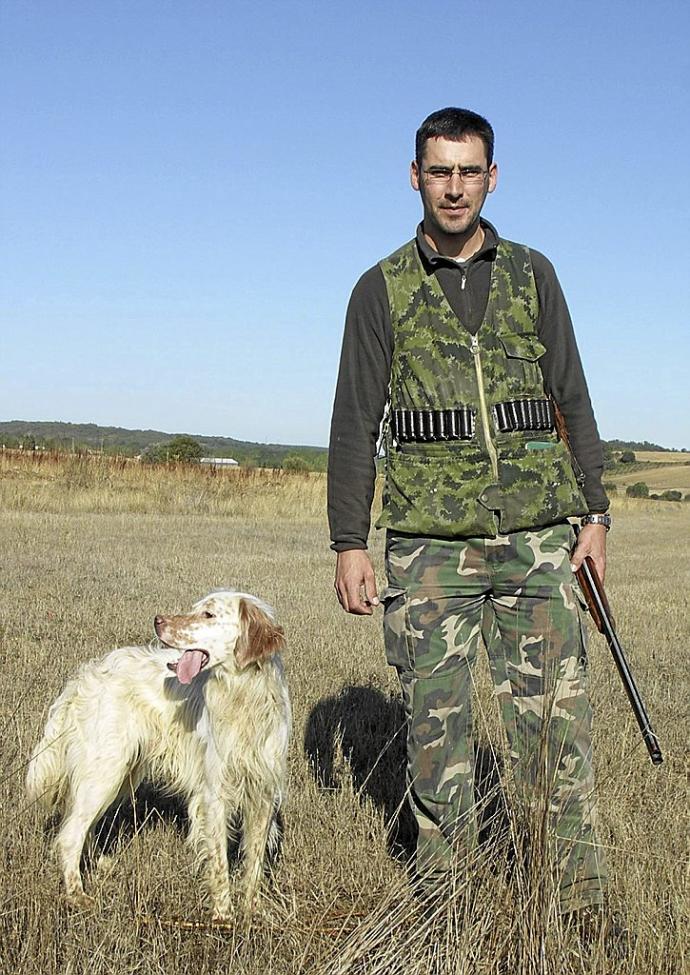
<point>189,665</point>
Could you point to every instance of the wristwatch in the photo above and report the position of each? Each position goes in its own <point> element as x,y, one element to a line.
<point>604,520</point>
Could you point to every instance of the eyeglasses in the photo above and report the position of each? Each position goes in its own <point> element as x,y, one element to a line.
<point>443,174</point>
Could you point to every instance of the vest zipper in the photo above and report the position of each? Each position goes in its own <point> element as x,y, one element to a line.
<point>474,346</point>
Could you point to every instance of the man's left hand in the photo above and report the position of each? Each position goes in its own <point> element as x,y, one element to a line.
<point>591,541</point>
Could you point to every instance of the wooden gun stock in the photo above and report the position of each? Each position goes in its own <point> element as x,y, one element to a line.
<point>601,614</point>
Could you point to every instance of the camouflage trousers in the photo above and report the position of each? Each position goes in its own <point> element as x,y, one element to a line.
<point>518,593</point>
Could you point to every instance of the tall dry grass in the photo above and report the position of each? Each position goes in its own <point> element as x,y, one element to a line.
<point>91,552</point>
<point>54,482</point>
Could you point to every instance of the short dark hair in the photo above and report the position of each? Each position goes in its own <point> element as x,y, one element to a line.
<point>456,124</point>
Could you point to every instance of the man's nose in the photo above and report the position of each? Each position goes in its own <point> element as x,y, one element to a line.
<point>455,185</point>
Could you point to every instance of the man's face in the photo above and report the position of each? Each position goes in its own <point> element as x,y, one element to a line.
<point>453,207</point>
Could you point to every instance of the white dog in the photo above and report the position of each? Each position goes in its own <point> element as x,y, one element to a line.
<point>215,730</point>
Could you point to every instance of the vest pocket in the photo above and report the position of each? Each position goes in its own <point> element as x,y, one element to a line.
<point>521,346</point>
<point>537,487</point>
<point>437,494</point>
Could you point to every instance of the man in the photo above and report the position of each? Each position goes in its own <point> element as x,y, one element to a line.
<point>464,340</point>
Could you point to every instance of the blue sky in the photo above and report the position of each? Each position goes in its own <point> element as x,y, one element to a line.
<point>190,191</point>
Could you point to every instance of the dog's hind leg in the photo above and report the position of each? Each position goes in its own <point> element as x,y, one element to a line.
<point>275,831</point>
<point>100,841</point>
<point>258,816</point>
<point>89,798</point>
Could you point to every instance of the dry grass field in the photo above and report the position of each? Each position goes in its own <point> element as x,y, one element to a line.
<point>663,456</point>
<point>92,550</point>
<point>667,471</point>
<point>670,477</point>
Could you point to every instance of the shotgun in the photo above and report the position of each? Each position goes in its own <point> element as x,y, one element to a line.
<point>598,606</point>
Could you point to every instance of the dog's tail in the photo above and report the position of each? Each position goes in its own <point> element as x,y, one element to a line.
<point>46,777</point>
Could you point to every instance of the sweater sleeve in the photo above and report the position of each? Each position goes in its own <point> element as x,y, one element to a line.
<point>564,378</point>
<point>360,400</point>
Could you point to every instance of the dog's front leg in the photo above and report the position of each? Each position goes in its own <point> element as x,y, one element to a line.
<point>257,819</point>
<point>196,837</point>
<point>215,828</point>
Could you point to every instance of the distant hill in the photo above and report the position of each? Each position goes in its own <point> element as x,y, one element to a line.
<point>119,440</point>
<point>634,445</point>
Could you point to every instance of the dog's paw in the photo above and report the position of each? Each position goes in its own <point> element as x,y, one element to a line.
<point>254,905</point>
<point>80,901</point>
<point>221,910</point>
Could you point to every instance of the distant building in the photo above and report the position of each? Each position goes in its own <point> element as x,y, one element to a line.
<point>219,461</point>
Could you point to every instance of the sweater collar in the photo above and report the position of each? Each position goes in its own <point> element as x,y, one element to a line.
<point>432,260</point>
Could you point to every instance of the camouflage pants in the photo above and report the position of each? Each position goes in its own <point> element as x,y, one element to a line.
<point>517,592</point>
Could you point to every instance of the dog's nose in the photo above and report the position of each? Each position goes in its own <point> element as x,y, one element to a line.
<point>157,620</point>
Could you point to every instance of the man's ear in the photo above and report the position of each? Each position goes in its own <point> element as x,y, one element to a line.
<point>493,178</point>
<point>414,175</point>
<point>259,636</point>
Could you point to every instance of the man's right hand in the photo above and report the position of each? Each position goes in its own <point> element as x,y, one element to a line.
<point>355,582</point>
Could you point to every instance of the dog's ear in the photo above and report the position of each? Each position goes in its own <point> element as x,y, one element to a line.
<point>259,636</point>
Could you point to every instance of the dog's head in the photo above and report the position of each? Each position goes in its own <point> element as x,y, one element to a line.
<point>231,628</point>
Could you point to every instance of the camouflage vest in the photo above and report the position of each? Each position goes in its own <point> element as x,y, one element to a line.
<point>495,482</point>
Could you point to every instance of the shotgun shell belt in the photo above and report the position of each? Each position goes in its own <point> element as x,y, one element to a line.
<point>524,414</point>
<point>429,426</point>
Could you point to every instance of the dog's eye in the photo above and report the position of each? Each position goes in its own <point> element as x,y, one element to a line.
<point>207,615</point>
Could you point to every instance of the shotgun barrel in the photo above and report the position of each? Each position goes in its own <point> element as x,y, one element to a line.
<point>598,605</point>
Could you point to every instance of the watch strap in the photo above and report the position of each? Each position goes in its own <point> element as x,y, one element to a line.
<point>602,519</point>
